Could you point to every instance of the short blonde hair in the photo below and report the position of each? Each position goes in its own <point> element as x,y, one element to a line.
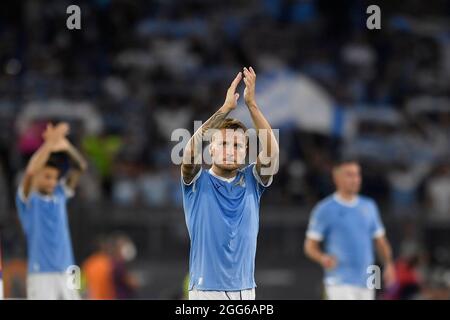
<point>230,123</point>
<point>233,124</point>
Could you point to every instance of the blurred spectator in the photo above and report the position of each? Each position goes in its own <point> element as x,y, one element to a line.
<point>98,272</point>
<point>30,139</point>
<point>154,185</point>
<point>408,282</point>
<point>14,278</point>
<point>125,283</point>
<point>404,187</point>
<point>438,192</point>
<point>4,203</point>
<point>101,151</point>
<point>13,263</point>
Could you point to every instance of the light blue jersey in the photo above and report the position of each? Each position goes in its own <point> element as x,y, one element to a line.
<point>348,231</point>
<point>222,218</point>
<point>44,221</point>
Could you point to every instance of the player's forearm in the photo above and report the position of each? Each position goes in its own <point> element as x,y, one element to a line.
<point>39,159</point>
<point>77,158</point>
<point>313,251</point>
<point>384,251</point>
<point>269,144</point>
<point>193,150</point>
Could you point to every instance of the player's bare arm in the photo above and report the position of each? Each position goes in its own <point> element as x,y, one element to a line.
<point>313,251</point>
<point>268,157</point>
<point>52,135</point>
<point>192,152</point>
<point>79,163</point>
<point>385,253</point>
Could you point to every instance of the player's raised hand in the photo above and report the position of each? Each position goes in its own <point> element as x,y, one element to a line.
<point>55,136</point>
<point>232,96</point>
<point>62,129</point>
<point>61,145</point>
<point>46,135</point>
<point>53,133</point>
<point>250,83</point>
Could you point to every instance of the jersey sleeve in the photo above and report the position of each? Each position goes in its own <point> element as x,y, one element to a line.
<point>20,197</point>
<point>191,187</point>
<point>22,204</point>
<point>65,189</point>
<point>377,227</point>
<point>259,186</point>
<point>318,224</point>
<point>191,194</point>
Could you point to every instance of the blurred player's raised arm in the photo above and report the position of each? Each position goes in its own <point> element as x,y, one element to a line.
<point>51,137</point>
<point>80,165</point>
<point>267,161</point>
<point>192,152</point>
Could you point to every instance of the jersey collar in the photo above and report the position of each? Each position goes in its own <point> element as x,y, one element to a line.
<point>229,180</point>
<point>352,203</point>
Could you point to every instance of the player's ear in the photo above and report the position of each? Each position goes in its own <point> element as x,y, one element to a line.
<point>210,148</point>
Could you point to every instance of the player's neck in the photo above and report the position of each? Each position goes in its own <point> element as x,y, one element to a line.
<point>227,174</point>
<point>347,197</point>
<point>44,193</point>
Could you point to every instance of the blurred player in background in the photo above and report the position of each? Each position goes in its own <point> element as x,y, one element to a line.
<point>348,224</point>
<point>41,204</point>
<point>221,204</point>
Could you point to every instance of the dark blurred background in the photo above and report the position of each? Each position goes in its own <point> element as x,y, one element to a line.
<point>137,70</point>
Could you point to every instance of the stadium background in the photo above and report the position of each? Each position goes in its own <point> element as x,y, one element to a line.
<point>139,69</point>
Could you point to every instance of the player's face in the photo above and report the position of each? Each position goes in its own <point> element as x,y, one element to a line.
<point>47,179</point>
<point>228,149</point>
<point>347,178</point>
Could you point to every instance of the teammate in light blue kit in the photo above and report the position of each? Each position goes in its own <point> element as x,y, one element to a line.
<point>349,225</point>
<point>41,204</point>
<point>221,204</point>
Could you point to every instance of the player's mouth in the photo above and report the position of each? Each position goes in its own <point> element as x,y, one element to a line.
<point>229,161</point>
